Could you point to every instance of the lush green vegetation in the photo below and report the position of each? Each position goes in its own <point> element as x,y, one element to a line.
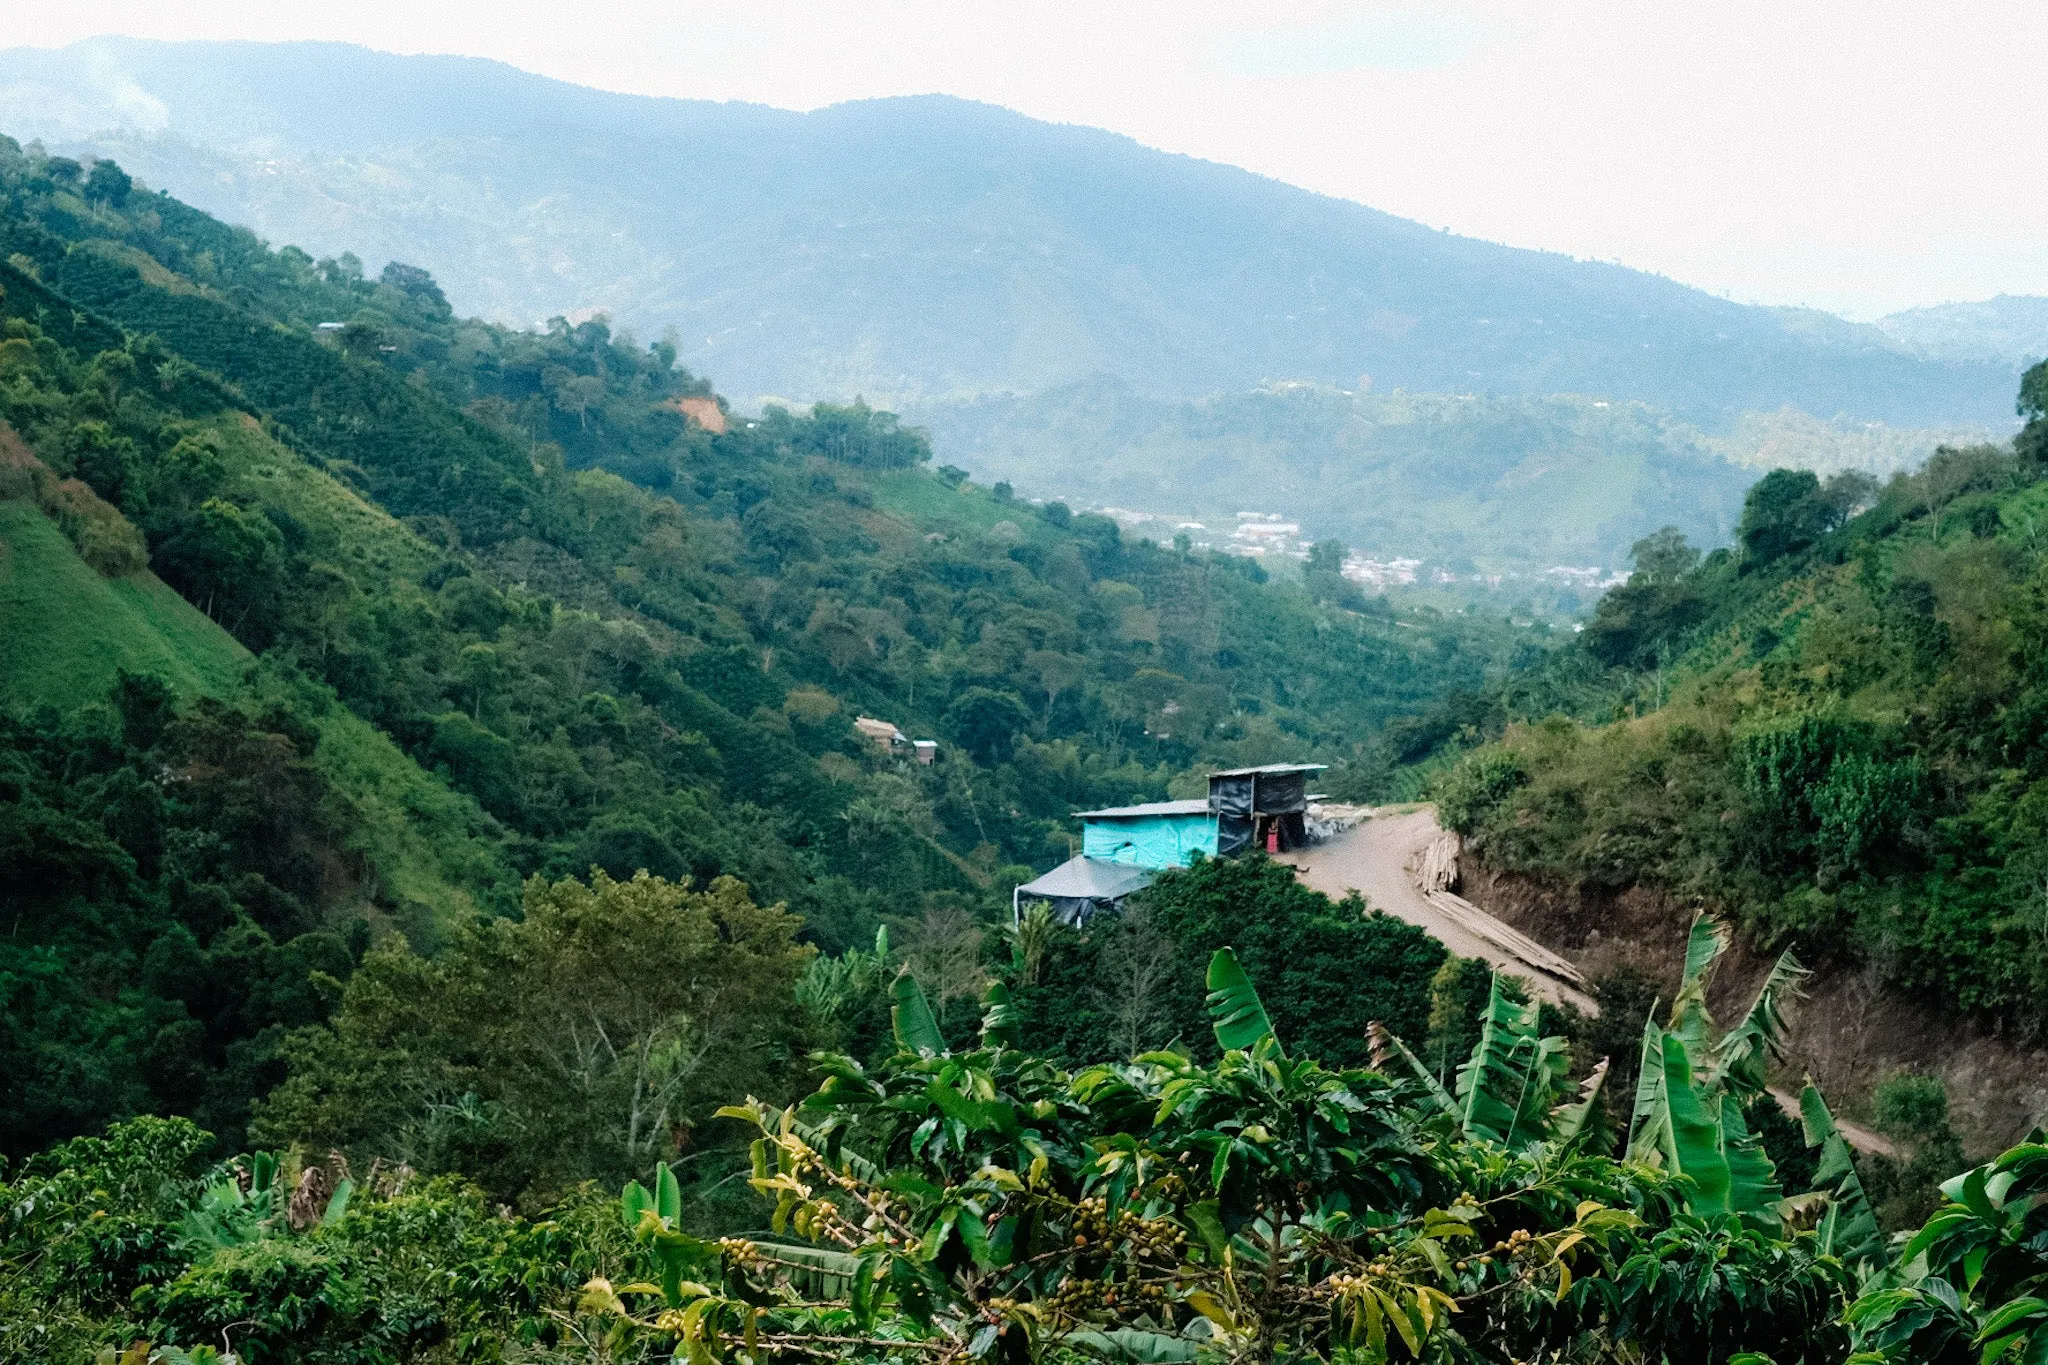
<point>514,613</point>
<point>490,814</point>
<point>1125,985</point>
<point>975,1201</point>
<point>979,1202</point>
<point>1831,731</point>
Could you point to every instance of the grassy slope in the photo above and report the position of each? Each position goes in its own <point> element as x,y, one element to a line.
<point>65,630</point>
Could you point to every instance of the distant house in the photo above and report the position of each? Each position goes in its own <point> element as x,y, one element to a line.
<point>882,732</point>
<point>1122,847</point>
<point>705,412</point>
<point>927,750</point>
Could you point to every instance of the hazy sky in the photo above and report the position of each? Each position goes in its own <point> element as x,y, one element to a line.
<point>1861,156</point>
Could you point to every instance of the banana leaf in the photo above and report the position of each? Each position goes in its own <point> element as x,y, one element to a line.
<point>1849,1230</point>
<point>1752,1178</point>
<point>1744,1054</point>
<point>1703,948</point>
<point>1584,1120</point>
<point>1235,1011</point>
<point>911,1017</point>
<point>1695,1122</point>
<point>1384,1038</point>
<point>815,1272</point>
<point>668,1196</point>
<point>1649,1125</point>
<point>999,1021</point>
<point>1505,1091</point>
<point>1133,1346</point>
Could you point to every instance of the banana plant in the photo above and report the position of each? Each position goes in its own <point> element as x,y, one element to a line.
<point>1506,1091</point>
<point>1848,1229</point>
<point>244,1207</point>
<point>1691,1087</point>
<point>1693,1084</point>
<point>1235,1010</point>
<point>1512,1089</point>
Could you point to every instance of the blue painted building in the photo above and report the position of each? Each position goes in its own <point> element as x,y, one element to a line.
<point>1123,846</point>
<point>1157,835</point>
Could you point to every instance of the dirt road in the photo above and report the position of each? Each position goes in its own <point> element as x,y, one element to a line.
<point>1380,859</point>
<point>1383,859</point>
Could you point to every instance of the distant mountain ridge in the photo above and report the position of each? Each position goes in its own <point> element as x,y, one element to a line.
<point>923,249</point>
<point>2012,329</point>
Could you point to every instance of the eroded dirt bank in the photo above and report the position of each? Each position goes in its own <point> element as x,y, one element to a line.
<point>1849,1033</point>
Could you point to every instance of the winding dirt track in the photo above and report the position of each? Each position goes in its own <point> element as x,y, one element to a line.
<point>1380,859</point>
<point>1383,858</point>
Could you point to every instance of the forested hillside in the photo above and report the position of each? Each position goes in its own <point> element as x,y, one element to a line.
<point>1831,732</point>
<point>514,613</point>
<point>1461,482</point>
<point>1066,310</point>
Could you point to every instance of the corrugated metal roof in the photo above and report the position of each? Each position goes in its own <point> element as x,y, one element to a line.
<point>1272,768</point>
<point>1088,879</point>
<point>1196,807</point>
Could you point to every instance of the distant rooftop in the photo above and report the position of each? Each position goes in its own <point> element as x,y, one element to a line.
<point>1196,807</point>
<point>1272,768</point>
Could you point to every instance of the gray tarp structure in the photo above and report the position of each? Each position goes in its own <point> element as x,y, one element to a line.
<point>1080,888</point>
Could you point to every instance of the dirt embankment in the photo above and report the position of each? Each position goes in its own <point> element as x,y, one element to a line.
<point>1849,1033</point>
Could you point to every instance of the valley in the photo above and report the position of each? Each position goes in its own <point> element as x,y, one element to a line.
<point>523,842</point>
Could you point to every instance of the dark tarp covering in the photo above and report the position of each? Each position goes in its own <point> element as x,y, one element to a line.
<point>1080,888</point>
<point>1232,795</point>
<point>1230,800</point>
<point>1281,793</point>
<point>1239,800</point>
<point>1233,835</point>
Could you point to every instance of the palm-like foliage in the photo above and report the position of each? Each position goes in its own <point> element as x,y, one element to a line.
<point>981,1204</point>
<point>1687,1116</point>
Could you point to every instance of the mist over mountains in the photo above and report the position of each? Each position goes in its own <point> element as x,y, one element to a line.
<point>958,260</point>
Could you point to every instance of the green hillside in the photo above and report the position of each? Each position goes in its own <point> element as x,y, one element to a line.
<point>922,248</point>
<point>1833,733</point>
<point>490,831</point>
<point>65,631</point>
<point>496,608</point>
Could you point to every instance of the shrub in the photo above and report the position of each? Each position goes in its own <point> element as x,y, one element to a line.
<point>1477,784</point>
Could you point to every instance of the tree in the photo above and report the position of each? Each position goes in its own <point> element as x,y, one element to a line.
<point>1663,556</point>
<point>1136,965</point>
<point>1056,671</point>
<point>108,184</point>
<point>1327,556</point>
<point>591,1034</point>
<point>986,723</point>
<point>1782,514</point>
<point>1297,941</point>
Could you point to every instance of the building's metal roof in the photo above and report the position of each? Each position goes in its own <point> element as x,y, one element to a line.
<point>1200,806</point>
<point>1088,879</point>
<point>1271,768</point>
